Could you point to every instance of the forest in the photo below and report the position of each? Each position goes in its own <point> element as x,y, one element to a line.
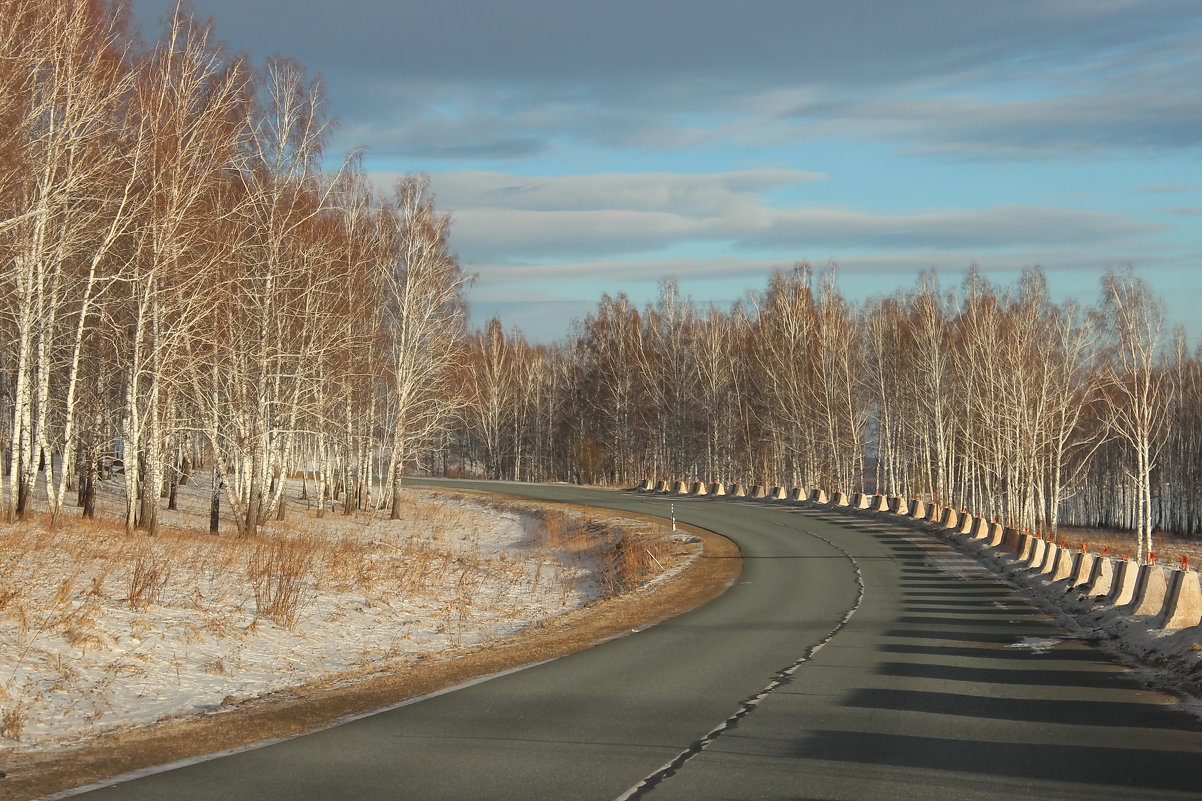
<point>188,287</point>
<point>996,399</point>
<point>185,285</point>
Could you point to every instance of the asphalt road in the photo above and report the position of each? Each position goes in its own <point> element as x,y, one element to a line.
<point>853,660</point>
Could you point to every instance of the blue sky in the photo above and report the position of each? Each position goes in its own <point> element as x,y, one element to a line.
<point>589,147</point>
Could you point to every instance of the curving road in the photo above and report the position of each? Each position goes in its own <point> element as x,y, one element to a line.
<point>853,660</point>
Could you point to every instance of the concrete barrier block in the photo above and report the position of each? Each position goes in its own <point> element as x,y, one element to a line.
<point>966,523</point>
<point>1122,586</point>
<point>1012,541</point>
<point>840,499</point>
<point>818,496</point>
<point>918,509</point>
<point>1064,565</point>
<point>717,489</point>
<point>1082,569</point>
<point>980,528</point>
<point>1050,557</point>
<point>737,490</point>
<point>1151,589</point>
<point>1101,579</point>
<point>1183,606</point>
<point>899,506</point>
<point>861,501</point>
<point>1050,549</point>
<point>949,518</point>
<point>797,495</point>
<point>661,486</point>
<point>757,491</point>
<point>1024,547</point>
<point>1036,550</point>
<point>698,488</point>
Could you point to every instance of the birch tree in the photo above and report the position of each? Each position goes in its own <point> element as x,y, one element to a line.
<point>423,316</point>
<point>68,64</point>
<point>191,106</point>
<point>1132,380</point>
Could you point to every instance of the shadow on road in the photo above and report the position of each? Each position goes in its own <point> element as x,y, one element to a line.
<point>1134,767</point>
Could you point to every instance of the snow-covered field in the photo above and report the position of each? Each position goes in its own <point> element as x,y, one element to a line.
<point>100,629</point>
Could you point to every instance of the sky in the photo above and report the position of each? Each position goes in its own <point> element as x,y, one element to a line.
<point>599,147</point>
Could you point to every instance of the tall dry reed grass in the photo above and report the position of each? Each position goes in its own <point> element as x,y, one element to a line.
<point>280,571</point>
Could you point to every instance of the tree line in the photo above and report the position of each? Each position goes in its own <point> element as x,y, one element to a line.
<point>185,284</point>
<point>994,398</point>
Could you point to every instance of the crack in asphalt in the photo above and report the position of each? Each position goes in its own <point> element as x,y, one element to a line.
<point>747,706</point>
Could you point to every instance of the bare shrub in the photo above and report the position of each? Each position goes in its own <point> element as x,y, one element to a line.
<point>553,529</point>
<point>557,532</point>
<point>83,640</point>
<point>348,562</point>
<point>629,560</point>
<point>12,722</point>
<point>66,589</point>
<point>278,570</point>
<point>150,575</point>
<point>97,588</point>
<point>216,667</point>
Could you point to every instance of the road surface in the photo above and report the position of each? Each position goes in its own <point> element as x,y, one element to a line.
<point>853,660</point>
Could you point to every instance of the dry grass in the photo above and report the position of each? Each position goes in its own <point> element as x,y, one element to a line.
<point>86,609</point>
<point>633,559</point>
<point>12,722</point>
<point>149,576</point>
<point>618,558</point>
<point>279,569</point>
<point>1169,548</point>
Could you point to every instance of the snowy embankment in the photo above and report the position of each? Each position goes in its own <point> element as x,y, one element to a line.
<point>1170,658</point>
<point>1164,657</point>
<point>99,629</point>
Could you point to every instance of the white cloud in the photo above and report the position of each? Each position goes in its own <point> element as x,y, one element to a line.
<point>504,218</point>
<point>519,234</point>
<point>1000,227</point>
<point>697,194</point>
<point>1168,189</point>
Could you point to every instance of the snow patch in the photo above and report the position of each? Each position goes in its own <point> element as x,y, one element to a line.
<point>1037,645</point>
<point>79,655</point>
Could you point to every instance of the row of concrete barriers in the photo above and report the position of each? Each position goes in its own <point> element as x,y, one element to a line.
<point>1168,597</point>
